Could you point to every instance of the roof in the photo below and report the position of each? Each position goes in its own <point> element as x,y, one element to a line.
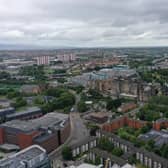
<point>152,155</point>
<point>6,111</point>
<point>31,110</point>
<point>112,73</point>
<point>29,88</point>
<point>51,120</point>
<point>99,115</point>
<point>83,141</point>
<point>160,137</point>
<point>24,156</point>
<point>85,165</point>
<point>9,147</point>
<point>20,125</point>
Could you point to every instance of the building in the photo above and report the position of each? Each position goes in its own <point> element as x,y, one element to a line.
<point>48,131</point>
<point>28,89</point>
<point>43,60</point>
<point>125,107</point>
<point>159,137</point>
<point>4,103</point>
<point>108,159</point>
<point>99,117</point>
<point>122,82</point>
<point>86,165</point>
<point>133,123</point>
<point>30,113</point>
<point>149,159</point>
<point>89,147</point>
<point>66,57</point>
<point>160,123</point>
<point>6,111</point>
<point>10,113</point>
<point>121,122</point>
<point>31,157</point>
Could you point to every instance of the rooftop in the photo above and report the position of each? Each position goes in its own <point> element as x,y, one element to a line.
<point>111,73</point>
<point>27,111</point>
<point>24,157</point>
<point>51,120</point>
<point>160,137</point>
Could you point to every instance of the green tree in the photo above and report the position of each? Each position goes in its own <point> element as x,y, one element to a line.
<point>67,153</point>
<point>19,102</point>
<point>117,151</point>
<point>82,106</point>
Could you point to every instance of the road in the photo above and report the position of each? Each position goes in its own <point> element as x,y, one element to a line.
<point>79,131</point>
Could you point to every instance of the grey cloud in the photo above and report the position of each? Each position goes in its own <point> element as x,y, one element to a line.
<point>84,22</point>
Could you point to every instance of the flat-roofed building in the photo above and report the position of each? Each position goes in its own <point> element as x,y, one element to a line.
<point>31,157</point>
<point>48,131</point>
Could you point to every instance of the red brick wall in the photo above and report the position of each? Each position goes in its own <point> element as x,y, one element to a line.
<point>121,122</point>
<point>116,124</point>
<point>25,140</point>
<point>125,121</point>
<point>1,135</point>
<point>159,125</point>
<point>135,123</point>
<point>49,144</point>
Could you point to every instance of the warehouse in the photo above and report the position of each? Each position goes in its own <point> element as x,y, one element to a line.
<point>49,131</point>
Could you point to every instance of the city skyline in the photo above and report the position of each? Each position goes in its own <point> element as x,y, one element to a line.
<point>77,23</point>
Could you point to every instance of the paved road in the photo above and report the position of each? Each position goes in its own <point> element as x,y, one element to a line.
<point>78,132</point>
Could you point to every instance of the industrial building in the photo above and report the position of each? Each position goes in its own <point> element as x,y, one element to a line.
<point>48,131</point>
<point>31,157</point>
<point>7,114</point>
<point>30,113</point>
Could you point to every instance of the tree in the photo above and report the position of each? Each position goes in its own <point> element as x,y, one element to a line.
<point>113,104</point>
<point>82,106</point>
<point>105,144</point>
<point>35,71</point>
<point>117,151</point>
<point>4,75</point>
<point>39,100</point>
<point>95,94</point>
<point>20,102</point>
<point>13,94</point>
<point>67,153</point>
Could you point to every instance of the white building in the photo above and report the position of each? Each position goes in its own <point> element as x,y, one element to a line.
<point>43,60</point>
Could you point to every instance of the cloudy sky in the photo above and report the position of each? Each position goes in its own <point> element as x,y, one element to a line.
<point>84,23</point>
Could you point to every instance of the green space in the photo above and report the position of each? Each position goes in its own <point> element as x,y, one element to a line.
<point>131,135</point>
<point>108,146</point>
<point>159,76</point>
<point>63,100</point>
<point>37,72</point>
<point>156,108</point>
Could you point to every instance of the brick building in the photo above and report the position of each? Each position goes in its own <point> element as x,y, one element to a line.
<point>126,107</point>
<point>123,121</point>
<point>133,123</point>
<point>48,131</point>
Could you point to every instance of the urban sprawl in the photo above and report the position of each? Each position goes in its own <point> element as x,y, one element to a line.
<point>84,108</point>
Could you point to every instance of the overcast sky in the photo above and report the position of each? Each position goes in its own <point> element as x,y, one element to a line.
<point>85,23</point>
